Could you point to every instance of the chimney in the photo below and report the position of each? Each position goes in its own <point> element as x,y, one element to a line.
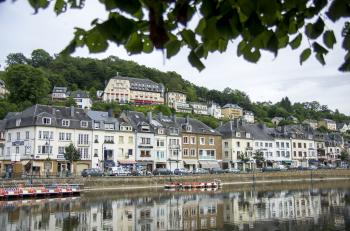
<point>187,119</point>
<point>149,116</point>
<point>72,111</point>
<point>174,118</point>
<point>231,125</point>
<point>110,112</point>
<point>236,122</point>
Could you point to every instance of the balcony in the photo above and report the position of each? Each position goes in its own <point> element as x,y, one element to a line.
<point>174,146</point>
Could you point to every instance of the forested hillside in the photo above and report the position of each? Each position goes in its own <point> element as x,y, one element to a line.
<point>31,79</point>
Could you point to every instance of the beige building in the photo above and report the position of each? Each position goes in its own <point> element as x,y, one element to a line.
<point>327,123</point>
<point>133,90</point>
<point>231,111</point>
<point>172,98</point>
<point>311,123</point>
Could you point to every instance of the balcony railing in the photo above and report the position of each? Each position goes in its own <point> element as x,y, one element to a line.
<point>174,146</point>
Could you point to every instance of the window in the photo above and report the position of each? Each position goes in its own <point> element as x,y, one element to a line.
<point>121,140</point>
<point>27,135</point>
<point>287,154</point>
<point>193,140</point>
<point>226,153</point>
<point>248,144</point>
<point>278,154</point>
<point>282,144</point>
<point>300,154</point>
<point>304,145</point>
<point>160,131</point>
<point>277,144</point>
<point>287,145</point>
<point>109,126</point>
<point>201,141</point>
<point>44,149</point>
<point>109,139</point>
<point>18,135</point>
<point>282,153</point>
<point>145,140</point>
<point>294,145</point>
<point>256,144</point>
<point>193,152</point>
<point>61,150</point>
<point>211,141</point>
<point>145,153</point>
<point>226,144</point>
<point>84,153</point>
<point>266,145</point>
<point>61,136</point>
<point>83,139</point>
<point>185,140</point>
<point>65,123</point>
<point>95,152</point>
<point>18,122</point>
<point>247,135</point>
<point>97,125</point>
<point>270,145</point>
<point>17,150</point>
<point>68,136</point>
<point>46,121</point>
<point>310,145</point>
<point>9,136</point>
<point>160,154</point>
<point>238,144</point>
<point>295,153</point>
<point>8,151</point>
<point>84,124</point>
<point>160,143</point>
<point>188,128</point>
<point>238,134</point>
<point>96,139</point>
<point>130,140</point>
<point>185,152</point>
<point>299,145</point>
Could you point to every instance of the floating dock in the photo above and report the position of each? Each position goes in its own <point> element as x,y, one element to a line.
<point>55,190</point>
<point>194,185</point>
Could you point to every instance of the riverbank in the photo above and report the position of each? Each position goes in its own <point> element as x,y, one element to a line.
<point>144,182</point>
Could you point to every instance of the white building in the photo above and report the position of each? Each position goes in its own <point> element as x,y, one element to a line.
<point>174,97</point>
<point>214,110</point>
<point>199,108</point>
<point>82,99</point>
<point>248,116</point>
<point>59,93</point>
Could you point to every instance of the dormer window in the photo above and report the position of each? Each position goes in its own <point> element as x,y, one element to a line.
<point>97,125</point>
<point>188,128</point>
<point>160,131</point>
<point>18,122</point>
<point>238,134</point>
<point>46,121</point>
<point>84,124</point>
<point>247,135</point>
<point>109,126</point>
<point>65,123</point>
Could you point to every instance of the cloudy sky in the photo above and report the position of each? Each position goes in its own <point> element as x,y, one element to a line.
<point>269,80</point>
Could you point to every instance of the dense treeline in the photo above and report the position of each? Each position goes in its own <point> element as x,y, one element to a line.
<point>30,80</point>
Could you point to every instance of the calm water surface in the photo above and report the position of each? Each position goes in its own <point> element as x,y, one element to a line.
<point>310,208</point>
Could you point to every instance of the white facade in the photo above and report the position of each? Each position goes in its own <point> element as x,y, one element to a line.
<point>199,108</point>
<point>248,117</point>
<point>173,97</point>
<point>303,151</point>
<point>84,103</point>
<point>214,110</point>
<point>283,151</point>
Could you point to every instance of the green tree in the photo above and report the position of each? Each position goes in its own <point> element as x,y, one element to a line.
<point>26,83</point>
<point>71,154</point>
<point>70,102</point>
<point>259,158</point>
<point>256,26</point>
<point>40,58</point>
<point>244,159</point>
<point>16,58</point>
<point>344,155</point>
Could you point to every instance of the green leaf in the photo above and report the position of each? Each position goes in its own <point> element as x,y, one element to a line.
<point>273,44</point>
<point>134,44</point>
<point>129,6</point>
<point>319,49</point>
<point>329,39</point>
<point>189,37</point>
<point>314,30</point>
<point>222,45</point>
<point>147,45</point>
<point>241,47</point>
<point>283,41</point>
<point>295,43</point>
<point>251,54</point>
<point>304,55</point>
<point>320,58</point>
<point>172,48</point>
<point>195,61</point>
<point>338,9</point>
<point>95,41</point>
<point>60,6</point>
<point>346,65</point>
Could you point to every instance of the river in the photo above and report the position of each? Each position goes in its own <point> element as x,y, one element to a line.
<point>321,206</point>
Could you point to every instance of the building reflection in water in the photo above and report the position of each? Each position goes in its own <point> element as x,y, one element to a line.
<point>249,210</point>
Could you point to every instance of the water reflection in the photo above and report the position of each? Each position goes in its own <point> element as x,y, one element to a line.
<point>316,209</point>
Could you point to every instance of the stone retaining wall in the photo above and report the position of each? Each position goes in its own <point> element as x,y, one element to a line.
<point>105,182</point>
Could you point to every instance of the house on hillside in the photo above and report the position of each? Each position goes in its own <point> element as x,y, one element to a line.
<point>248,116</point>
<point>231,111</point>
<point>276,120</point>
<point>82,99</point>
<point>214,110</point>
<point>3,90</point>
<point>133,90</point>
<point>311,123</point>
<point>199,108</point>
<point>343,127</point>
<point>59,93</point>
<point>328,123</point>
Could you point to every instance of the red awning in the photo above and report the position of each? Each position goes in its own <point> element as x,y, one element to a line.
<point>126,162</point>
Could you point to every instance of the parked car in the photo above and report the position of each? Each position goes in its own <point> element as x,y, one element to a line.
<point>216,171</point>
<point>270,169</point>
<point>200,171</point>
<point>313,167</point>
<point>161,171</point>
<point>118,171</point>
<point>91,172</point>
<point>232,170</point>
<point>181,171</point>
<point>282,167</point>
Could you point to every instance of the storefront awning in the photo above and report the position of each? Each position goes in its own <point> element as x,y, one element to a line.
<point>126,161</point>
<point>190,162</point>
<point>209,164</point>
